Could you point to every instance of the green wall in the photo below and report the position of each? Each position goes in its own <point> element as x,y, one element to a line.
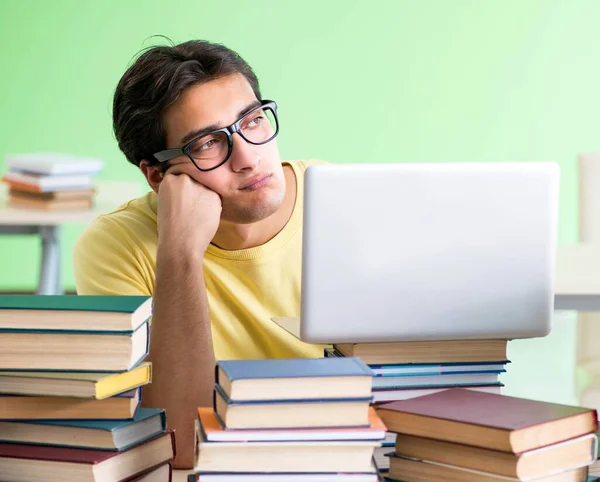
<point>393,80</point>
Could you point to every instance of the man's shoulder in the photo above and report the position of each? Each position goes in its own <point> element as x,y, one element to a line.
<point>301,165</point>
<point>131,217</point>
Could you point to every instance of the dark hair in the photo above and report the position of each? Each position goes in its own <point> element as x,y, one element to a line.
<point>155,81</point>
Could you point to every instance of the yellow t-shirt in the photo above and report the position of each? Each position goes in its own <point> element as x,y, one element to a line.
<point>116,255</point>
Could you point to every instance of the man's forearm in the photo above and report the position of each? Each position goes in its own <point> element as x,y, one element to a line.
<point>181,348</point>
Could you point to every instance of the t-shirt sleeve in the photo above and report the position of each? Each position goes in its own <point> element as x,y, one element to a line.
<point>106,263</point>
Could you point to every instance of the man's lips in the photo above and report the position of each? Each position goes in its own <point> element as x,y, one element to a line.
<point>256,182</point>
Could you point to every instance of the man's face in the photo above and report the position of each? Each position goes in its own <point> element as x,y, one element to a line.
<point>251,183</point>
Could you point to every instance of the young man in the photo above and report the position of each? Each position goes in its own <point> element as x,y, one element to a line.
<point>217,241</point>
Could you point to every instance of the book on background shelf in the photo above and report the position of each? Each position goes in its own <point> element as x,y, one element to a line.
<point>53,163</point>
<point>210,429</point>
<point>532,464</point>
<point>53,195</point>
<point>66,350</point>
<point>26,181</point>
<point>98,385</point>
<point>30,462</point>
<point>294,379</point>
<point>74,312</point>
<point>114,435</point>
<point>253,414</point>
<point>20,201</point>
<point>486,420</point>
<point>426,471</point>
<point>122,406</point>
<point>436,351</point>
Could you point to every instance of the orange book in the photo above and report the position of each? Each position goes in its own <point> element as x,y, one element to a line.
<point>213,431</point>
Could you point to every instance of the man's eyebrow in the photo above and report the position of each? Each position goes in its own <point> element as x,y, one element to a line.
<point>208,129</point>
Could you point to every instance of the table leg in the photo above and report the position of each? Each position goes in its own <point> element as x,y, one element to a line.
<point>50,281</point>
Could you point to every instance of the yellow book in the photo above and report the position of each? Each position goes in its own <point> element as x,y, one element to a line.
<point>75,384</point>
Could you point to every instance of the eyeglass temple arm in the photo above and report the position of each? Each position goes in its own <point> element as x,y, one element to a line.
<point>167,155</point>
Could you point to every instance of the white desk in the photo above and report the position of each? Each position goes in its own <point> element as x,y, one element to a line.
<point>577,284</point>
<point>47,225</point>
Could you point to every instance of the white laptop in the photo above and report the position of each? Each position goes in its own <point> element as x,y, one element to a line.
<point>397,252</point>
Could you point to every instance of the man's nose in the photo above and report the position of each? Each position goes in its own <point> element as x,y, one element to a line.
<point>244,155</point>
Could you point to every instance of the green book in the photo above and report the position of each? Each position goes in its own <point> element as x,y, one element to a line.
<point>73,313</point>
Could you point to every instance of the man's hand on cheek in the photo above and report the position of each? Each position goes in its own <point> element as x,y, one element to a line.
<point>188,212</point>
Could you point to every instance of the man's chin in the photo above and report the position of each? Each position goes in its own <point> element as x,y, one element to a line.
<point>250,214</point>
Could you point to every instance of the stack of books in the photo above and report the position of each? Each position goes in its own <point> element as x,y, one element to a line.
<point>71,373</point>
<point>289,420</point>
<point>404,370</point>
<point>465,435</point>
<point>51,182</point>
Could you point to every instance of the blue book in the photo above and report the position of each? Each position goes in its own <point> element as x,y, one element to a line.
<point>290,414</point>
<point>294,379</point>
<point>114,435</point>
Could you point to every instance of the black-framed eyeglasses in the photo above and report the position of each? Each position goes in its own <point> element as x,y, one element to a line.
<point>212,150</point>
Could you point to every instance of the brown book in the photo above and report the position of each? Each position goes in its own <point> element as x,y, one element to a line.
<point>52,196</point>
<point>409,470</point>
<point>542,462</point>
<point>122,406</point>
<point>36,462</point>
<point>50,205</point>
<point>436,351</point>
<point>488,420</point>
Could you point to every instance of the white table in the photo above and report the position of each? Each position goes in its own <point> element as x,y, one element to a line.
<point>46,225</point>
<point>577,284</point>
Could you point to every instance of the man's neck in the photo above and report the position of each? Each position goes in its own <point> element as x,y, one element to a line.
<point>231,236</point>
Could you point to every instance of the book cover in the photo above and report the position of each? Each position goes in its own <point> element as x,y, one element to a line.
<point>120,304</point>
<point>122,406</point>
<point>218,392</point>
<point>62,454</point>
<point>294,368</point>
<point>79,351</point>
<point>53,164</point>
<point>123,433</point>
<point>484,409</point>
<point>213,431</point>
<point>143,413</point>
<point>97,385</point>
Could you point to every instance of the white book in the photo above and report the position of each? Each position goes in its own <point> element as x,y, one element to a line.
<point>50,183</point>
<point>53,164</point>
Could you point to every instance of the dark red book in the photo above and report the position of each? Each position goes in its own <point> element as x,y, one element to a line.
<point>488,420</point>
<point>37,462</point>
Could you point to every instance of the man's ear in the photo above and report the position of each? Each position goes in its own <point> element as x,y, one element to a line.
<point>153,173</point>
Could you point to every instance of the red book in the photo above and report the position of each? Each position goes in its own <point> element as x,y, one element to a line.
<point>488,420</point>
<point>54,464</point>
